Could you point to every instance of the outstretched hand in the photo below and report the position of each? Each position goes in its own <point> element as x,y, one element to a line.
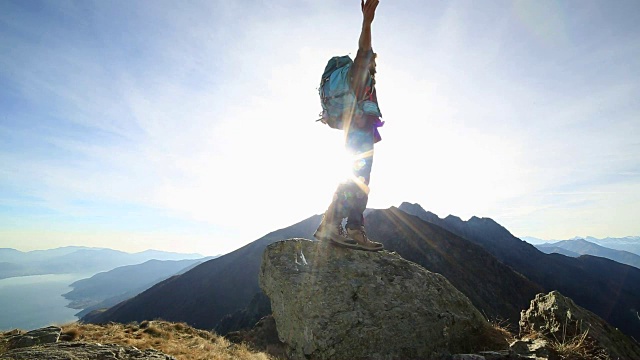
<point>369,10</point>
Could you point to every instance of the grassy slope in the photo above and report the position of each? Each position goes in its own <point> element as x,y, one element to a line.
<point>176,339</point>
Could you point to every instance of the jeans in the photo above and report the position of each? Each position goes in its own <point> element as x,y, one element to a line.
<point>351,196</point>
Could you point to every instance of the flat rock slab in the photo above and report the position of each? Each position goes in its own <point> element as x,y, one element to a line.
<point>83,351</point>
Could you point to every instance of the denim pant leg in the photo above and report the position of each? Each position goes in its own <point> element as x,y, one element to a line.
<point>360,145</point>
<point>351,196</point>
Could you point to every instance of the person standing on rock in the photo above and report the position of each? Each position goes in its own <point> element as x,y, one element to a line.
<point>361,132</point>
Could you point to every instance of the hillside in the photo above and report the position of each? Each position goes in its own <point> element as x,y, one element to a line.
<point>487,282</point>
<point>176,339</point>
<point>206,293</point>
<point>108,288</point>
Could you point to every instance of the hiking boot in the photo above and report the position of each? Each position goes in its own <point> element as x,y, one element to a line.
<point>364,243</point>
<point>334,233</point>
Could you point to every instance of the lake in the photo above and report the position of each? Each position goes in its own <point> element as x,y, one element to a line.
<point>31,302</point>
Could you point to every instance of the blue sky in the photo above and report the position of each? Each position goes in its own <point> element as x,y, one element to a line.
<point>189,126</point>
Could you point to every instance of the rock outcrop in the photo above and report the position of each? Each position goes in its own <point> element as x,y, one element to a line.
<point>43,344</point>
<point>557,317</point>
<point>83,351</point>
<point>334,303</point>
<point>42,336</point>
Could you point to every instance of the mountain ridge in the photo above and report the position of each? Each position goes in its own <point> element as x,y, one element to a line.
<point>588,280</point>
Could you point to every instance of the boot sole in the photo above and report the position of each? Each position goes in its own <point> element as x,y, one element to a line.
<point>342,244</point>
<point>353,245</point>
<point>363,248</point>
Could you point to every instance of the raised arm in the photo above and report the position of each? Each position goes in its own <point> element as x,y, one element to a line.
<point>368,13</point>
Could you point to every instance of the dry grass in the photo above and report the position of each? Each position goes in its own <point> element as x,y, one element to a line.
<point>502,327</point>
<point>3,343</point>
<point>576,347</point>
<point>176,339</point>
<point>4,337</point>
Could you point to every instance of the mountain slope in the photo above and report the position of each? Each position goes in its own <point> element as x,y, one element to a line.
<point>123,282</point>
<point>489,284</point>
<point>203,295</point>
<point>605,287</point>
<point>584,247</point>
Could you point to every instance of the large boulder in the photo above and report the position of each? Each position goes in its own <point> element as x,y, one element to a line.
<point>558,318</point>
<point>335,303</point>
<point>83,351</point>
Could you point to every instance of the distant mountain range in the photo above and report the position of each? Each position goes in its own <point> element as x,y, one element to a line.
<point>533,240</point>
<point>551,249</point>
<point>629,243</point>
<point>577,247</point>
<point>497,271</point>
<point>75,259</point>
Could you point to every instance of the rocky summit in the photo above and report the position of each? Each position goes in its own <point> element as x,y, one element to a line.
<point>334,303</point>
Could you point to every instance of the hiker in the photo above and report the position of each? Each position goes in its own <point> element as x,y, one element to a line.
<point>361,132</point>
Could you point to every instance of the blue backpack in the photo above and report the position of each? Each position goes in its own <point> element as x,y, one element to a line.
<point>337,98</point>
